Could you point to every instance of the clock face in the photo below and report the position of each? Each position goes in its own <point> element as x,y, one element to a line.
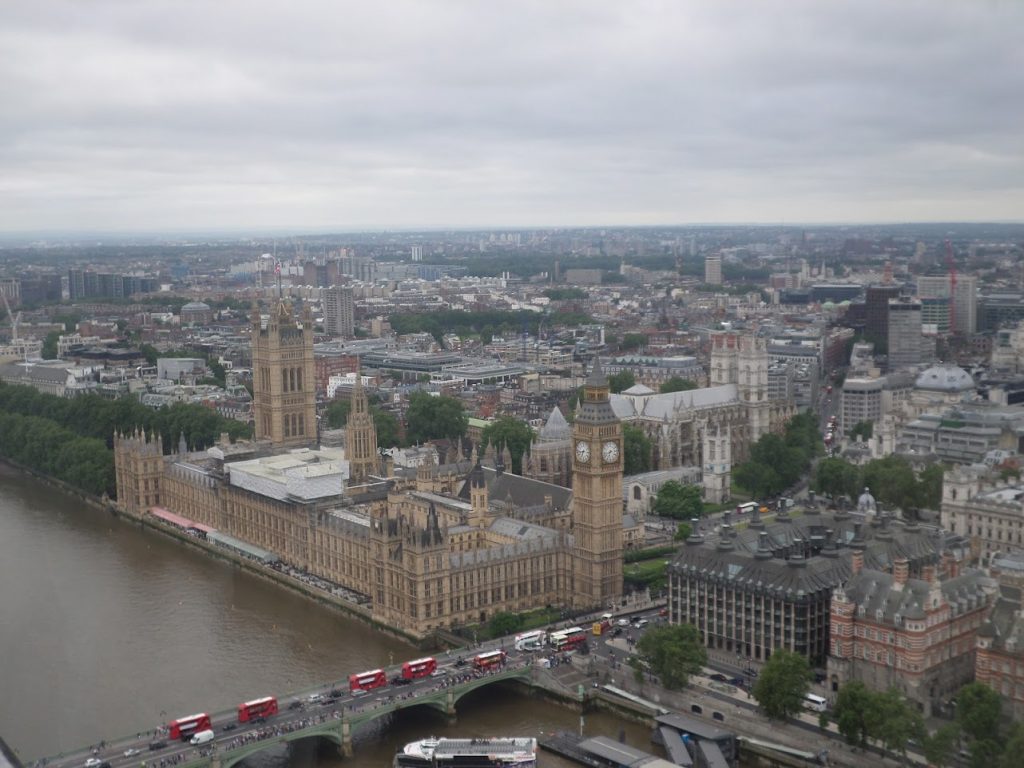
<point>582,452</point>
<point>610,451</point>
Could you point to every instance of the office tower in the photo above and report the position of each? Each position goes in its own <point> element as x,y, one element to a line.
<point>904,333</point>
<point>339,311</point>
<point>713,270</point>
<point>964,307</point>
<point>876,302</point>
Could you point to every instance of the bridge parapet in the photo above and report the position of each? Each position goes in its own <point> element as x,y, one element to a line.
<point>338,726</point>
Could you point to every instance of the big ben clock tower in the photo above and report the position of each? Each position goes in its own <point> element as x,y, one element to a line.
<point>597,497</point>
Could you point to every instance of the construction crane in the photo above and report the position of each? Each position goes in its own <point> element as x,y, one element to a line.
<point>14,320</point>
<point>951,266</point>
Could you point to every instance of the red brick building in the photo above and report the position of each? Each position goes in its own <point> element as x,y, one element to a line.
<point>999,658</point>
<point>332,365</point>
<point>918,635</point>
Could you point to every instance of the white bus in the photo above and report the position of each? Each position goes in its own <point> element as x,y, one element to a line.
<point>746,509</point>
<point>531,641</point>
<point>814,702</point>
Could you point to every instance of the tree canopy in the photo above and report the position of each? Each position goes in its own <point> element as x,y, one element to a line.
<point>678,501</point>
<point>621,381</point>
<point>883,716</point>
<point>384,422</point>
<point>863,429</point>
<point>777,462</point>
<point>782,684</point>
<point>891,480</point>
<point>72,438</point>
<point>677,384</point>
<point>674,652</point>
<point>434,418</point>
<point>636,450</point>
<point>512,433</point>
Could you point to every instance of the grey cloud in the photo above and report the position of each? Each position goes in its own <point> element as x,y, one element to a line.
<point>326,114</point>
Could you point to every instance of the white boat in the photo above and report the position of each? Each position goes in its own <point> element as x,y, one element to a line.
<point>514,752</point>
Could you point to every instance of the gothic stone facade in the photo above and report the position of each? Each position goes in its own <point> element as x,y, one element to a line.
<point>449,546</point>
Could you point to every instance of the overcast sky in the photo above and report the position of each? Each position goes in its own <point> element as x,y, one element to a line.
<point>141,115</point>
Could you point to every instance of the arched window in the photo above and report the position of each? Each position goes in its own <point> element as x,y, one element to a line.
<point>298,379</point>
<point>302,424</point>
<point>284,379</point>
<point>637,493</point>
<point>287,426</point>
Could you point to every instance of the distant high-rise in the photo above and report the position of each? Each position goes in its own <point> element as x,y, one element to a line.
<point>339,310</point>
<point>965,302</point>
<point>904,333</point>
<point>713,270</point>
<point>416,252</point>
<point>876,327</point>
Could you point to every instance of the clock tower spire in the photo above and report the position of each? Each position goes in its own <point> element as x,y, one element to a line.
<point>597,496</point>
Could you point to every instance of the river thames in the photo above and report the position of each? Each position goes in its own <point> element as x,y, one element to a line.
<point>107,629</point>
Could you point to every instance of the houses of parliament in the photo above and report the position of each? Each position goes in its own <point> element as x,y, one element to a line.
<point>433,547</point>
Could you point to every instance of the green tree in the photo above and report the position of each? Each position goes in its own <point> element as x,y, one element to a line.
<point>940,747</point>
<point>892,481</point>
<point>504,623</point>
<point>636,450</point>
<point>677,384</point>
<point>683,531</point>
<point>631,341</point>
<point>674,652</point>
<point>678,501</point>
<point>978,711</point>
<point>150,353</point>
<point>782,684</point>
<point>759,479</point>
<point>621,381</point>
<point>434,418</point>
<point>512,433</point>
<point>50,345</point>
<point>1013,750</point>
<point>851,712</point>
<point>337,413</point>
<point>863,429</point>
<point>895,721</point>
<point>837,477</point>
<point>387,428</point>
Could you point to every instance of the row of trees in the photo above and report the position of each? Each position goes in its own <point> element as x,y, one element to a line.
<point>777,462</point>
<point>482,323</point>
<point>886,718</point>
<point>512,433</point>
<point>72,439</point>
<point>43,445</point>
<point>94,416</point>
<point>891,479</point>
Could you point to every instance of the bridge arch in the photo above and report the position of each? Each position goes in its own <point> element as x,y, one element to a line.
<point>330,730</point>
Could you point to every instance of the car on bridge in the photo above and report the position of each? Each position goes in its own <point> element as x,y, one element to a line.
<point>158,744</point>
<point>131,752</point>
<point>226,727</point>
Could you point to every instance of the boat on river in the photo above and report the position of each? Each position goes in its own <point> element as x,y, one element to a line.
<point>513,752</point>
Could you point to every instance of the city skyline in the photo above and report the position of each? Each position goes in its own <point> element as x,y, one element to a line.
<point>327,118</point>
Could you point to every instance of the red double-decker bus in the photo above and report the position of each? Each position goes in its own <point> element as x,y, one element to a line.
<point>489,660</point>
<point>568,639</point>
<point>367,681</point>
<point>251,710</point>
<point>185,727</point>
<point>417,668</point>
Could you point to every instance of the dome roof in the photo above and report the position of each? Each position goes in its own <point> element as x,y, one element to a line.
<point>556,428</point>
<point>196,306</point>
<point>945,378</point>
